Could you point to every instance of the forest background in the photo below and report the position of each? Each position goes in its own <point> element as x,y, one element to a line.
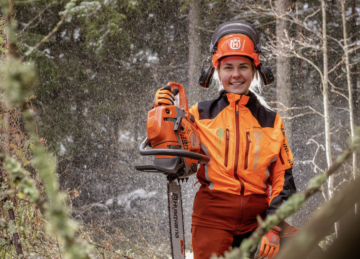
<point>97,76</point>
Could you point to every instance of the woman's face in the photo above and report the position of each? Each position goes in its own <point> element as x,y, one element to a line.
<point>236,74</point>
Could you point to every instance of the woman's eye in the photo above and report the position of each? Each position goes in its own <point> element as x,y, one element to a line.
<point>243,67</point>
<point>227,68</point>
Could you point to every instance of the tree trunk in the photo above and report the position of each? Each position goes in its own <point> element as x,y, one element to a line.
<point>283,73</point>
<point>353,31</point>
<point>354,79</point>
<point>283,68</point>
<point>348,79</point>
<point>194,52</point>
<point>326,105</point>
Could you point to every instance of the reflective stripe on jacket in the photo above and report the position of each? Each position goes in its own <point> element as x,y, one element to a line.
<point>248,149</point>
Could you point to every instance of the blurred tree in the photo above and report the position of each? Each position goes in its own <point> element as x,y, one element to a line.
<point>283,66</point>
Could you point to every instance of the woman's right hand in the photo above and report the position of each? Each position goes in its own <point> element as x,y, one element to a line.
<point>164,96</point>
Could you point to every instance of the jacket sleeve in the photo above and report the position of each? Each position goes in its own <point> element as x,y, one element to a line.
<point>281,177</point>
<point>194,111</point>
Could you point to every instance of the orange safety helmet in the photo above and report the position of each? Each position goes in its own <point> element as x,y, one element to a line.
<point>235,45</point>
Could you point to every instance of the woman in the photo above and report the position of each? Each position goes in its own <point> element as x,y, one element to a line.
<point>250,169</point>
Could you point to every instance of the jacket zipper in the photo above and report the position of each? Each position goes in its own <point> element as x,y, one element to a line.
<point>248,140</point>
<point>237,140</point>
<point>227,147</point>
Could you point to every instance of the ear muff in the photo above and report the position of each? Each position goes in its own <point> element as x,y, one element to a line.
<point>266,74</point>
<point>206,74</point>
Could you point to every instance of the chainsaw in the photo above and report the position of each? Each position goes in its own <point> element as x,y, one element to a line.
<point>175,142</point>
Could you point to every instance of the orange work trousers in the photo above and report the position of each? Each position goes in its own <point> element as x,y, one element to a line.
<point>211,241</point>
<point>206,241</point>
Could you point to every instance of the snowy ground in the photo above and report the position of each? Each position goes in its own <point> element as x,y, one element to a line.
<point>188,255</point>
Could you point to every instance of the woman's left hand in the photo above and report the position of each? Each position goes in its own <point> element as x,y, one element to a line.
<point>269,244</point>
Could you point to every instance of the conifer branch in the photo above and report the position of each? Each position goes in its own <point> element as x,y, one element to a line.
<point>322,221</point>
<point>10,208</point>
<point>18,83</point>
<point>68,8</point>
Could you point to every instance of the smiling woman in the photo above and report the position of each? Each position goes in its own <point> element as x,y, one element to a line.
<point>250,172</point>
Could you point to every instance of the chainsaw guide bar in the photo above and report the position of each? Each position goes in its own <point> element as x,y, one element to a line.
<point>176,220</point>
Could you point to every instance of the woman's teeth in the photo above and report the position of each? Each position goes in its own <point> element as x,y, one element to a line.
<point>236,83</point>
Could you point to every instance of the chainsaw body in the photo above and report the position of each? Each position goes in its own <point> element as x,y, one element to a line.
<point>174,140</point>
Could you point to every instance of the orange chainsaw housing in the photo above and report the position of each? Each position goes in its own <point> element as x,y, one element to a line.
<point>170,127</point>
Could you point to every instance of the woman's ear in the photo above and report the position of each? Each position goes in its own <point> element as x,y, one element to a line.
<point>218,71</point>
<point>254,70</point>
<point>219,75</point>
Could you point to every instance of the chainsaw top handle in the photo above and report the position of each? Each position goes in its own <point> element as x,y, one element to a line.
<point>183,103</point>
<point>172,152</point>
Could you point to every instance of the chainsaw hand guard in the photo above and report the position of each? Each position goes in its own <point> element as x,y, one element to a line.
<point>172,152</point>
<point>173,167</point>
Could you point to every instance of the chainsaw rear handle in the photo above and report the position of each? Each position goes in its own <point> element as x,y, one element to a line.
<point>179,89</point>
<point>175,91</point>
<point>171,152</point>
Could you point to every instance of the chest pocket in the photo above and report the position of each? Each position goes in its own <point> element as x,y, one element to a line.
<point>261,146</point>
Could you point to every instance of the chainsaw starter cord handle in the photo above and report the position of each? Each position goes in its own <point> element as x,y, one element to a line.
<point>171,152</point>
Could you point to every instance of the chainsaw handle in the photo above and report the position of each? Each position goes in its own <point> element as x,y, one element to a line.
<point>171,152</point>
<point>183,103</point>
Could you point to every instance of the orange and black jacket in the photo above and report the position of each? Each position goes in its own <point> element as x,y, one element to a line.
<point>250,172</point>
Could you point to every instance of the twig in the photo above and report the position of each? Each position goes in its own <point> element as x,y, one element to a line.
<point>39,14</point>
<point>16,237</point>
<point>68,7</point>
<point>296,108</point>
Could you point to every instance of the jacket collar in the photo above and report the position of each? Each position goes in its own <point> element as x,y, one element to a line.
<point>245,100</point>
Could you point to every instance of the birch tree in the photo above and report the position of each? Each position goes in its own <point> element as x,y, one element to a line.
<point>354,32</point>
<point>326,106</point>
<point>348,79</point>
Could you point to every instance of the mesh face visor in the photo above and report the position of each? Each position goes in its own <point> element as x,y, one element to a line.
<point>235,27</point>
<point>235,45</point>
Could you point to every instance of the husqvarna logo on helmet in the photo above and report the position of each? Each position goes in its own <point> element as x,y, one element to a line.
<point>235,44</point>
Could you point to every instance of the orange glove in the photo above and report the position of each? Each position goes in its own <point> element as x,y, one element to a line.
<point>164,96</point>
<point>269,245</point>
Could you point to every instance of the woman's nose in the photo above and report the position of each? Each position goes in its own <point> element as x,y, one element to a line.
<point>236,73</point>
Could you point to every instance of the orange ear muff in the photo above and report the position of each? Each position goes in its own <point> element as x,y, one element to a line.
<point>206,74</point>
